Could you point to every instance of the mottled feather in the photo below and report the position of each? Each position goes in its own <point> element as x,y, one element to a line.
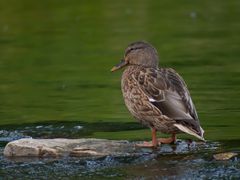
<point>157,97</point>
<point>167,92</point>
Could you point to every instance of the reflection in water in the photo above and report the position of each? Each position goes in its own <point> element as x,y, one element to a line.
<point>187,167</point>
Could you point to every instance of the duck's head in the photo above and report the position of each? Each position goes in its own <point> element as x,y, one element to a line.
<point>139,53</point>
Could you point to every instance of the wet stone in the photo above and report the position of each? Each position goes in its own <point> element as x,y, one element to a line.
<point>224,156</point>
<point>28,147</point>
<point>90,147</point>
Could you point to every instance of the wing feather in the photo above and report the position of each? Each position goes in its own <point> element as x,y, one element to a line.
<point>166,90</point>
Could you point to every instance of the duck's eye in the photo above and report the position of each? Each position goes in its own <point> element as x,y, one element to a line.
<point>133,49</point>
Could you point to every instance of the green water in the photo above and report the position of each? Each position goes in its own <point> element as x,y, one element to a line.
<point>56,56</point>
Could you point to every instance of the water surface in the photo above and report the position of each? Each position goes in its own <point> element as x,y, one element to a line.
<point>55,75</point>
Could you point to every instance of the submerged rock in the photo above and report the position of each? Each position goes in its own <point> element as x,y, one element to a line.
<point>224,156</point>
<point>67,147</point>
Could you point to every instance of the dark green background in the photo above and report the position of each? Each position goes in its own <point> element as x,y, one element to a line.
<point>56,56</point>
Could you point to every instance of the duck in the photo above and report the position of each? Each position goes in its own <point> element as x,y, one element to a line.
<point>157,97</point>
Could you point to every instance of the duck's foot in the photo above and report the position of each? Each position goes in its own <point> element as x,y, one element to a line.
<point>169,140</point>
<point>153,143</point>
<point>146,144</point>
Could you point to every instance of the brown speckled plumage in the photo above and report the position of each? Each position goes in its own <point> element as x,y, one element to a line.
<point>157,97</point>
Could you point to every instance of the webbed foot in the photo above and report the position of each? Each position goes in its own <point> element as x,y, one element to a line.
<point>169,140</point>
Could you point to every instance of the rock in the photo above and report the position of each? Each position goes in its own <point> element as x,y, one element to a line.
<point>224,156</point>
<point>28,147</point>
<point>82,152</point>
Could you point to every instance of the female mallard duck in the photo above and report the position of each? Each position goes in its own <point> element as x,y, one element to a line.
<point>157,97</point>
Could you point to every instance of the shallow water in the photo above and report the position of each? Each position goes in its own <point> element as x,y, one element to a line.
<point>185,159</point>
<point>56,82</point>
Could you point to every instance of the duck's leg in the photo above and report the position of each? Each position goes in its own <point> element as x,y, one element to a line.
<point>150,144</point>
<point>167,140</point>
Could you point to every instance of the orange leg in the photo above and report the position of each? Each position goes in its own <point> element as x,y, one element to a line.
<point>167,140</point>
<point>152,144</point>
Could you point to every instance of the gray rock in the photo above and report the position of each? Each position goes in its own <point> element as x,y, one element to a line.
<point>224,156</point>
<point>28,147</point>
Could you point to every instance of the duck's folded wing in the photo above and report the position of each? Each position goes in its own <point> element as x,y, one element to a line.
<point>167,91</point>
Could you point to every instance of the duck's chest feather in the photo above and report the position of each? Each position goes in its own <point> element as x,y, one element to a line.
<point>134,78</point>
<point>135,99</point>
<point>133,96</point>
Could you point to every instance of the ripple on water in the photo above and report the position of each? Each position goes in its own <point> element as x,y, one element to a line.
<point>182,160</point>
<point>40,131</point>
<point>186,165</point>
<point>7,136</point>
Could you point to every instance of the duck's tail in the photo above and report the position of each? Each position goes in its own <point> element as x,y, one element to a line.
<point>191,132</point>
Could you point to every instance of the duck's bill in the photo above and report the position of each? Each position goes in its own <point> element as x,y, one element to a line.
<point>119,65</point>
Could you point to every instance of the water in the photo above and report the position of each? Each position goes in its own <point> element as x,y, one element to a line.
<point>56,82</point>
<point>182,160</point>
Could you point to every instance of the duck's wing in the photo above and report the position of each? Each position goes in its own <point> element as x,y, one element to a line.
<point>167,91</point>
